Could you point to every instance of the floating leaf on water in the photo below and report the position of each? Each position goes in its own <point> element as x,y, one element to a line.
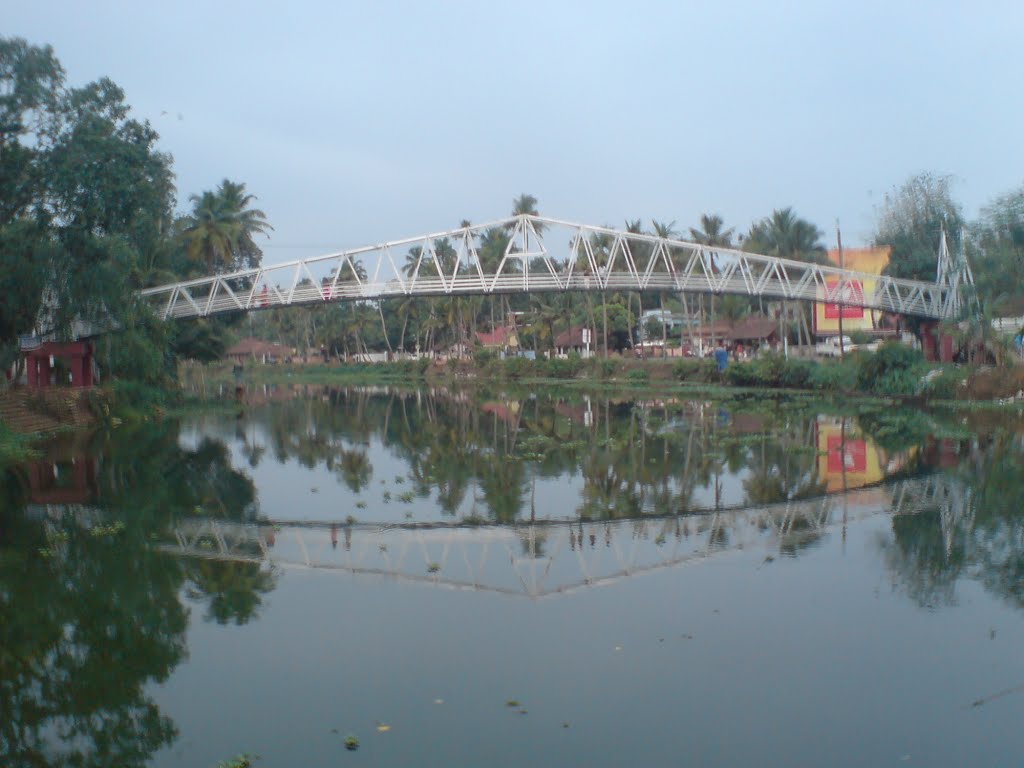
<point>351,743</point>
<point>512,703</point>
<point>433,567</point>
<point>439,701</point>
<point>383,727</point>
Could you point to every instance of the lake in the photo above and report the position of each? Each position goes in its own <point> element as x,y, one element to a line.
<point>516,578</point>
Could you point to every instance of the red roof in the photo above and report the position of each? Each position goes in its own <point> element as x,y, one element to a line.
<point>501,337</point>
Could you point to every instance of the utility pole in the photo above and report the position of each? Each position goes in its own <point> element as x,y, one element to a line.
<point>839,242</point>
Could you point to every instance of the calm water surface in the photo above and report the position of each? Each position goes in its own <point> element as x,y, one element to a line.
<point>517,580</point>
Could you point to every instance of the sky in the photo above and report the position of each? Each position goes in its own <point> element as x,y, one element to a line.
<point>359,123</point>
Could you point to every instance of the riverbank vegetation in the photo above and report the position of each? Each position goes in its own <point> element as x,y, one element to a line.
<point>89,214</point>
<point>894,371</point>
<point>15,447</point>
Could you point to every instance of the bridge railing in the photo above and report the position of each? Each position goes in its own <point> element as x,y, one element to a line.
<point>586,258</point>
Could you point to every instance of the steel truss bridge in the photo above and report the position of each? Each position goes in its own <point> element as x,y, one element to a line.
<point>550,255</point>
<point>546,559</point>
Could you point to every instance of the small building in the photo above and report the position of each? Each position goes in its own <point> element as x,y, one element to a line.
<point>753,332</point>
<point>258,351</point>
<point>712,333</point>
<point>50,363</point>
<point>501,338</point>
<point>573,340</point>
<point>671,322</point>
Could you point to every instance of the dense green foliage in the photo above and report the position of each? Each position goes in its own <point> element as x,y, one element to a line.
<point>93,615</point>
<point>912,220</point>
<point>87,217</point>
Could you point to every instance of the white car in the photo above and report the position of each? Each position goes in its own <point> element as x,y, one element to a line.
<point>830,346</point>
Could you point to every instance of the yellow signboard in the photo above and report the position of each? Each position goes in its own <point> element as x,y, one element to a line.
<point>847,460</point>
<point>870,261</point>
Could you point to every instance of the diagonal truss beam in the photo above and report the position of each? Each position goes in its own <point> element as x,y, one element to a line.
<point>545,255</point>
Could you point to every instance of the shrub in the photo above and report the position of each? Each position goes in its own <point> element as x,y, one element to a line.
<point>484,357</point>
<point>568,368</point>
<point>637,375</point>
<point>517,367</point>
<point>833,376</point>
<point>890,370</point>
<point>771,370</point>
<point>695,370</point>
<point>942,382</point>
<point>746,375</point>
<point>797,374</point>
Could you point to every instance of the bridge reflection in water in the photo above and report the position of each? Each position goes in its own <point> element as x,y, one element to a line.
<point>545,559</point>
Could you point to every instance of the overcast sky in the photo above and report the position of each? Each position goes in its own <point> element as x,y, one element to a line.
<point>356,123</point>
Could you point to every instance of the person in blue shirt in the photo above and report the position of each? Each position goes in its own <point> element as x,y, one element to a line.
<point>721,357</point>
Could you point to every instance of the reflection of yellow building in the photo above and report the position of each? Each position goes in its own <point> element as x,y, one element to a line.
<point>870,261</point>
<point>844,464</point>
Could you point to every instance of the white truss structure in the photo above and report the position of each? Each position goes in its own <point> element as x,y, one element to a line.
<point>555,558</point>
<point>550,255</point>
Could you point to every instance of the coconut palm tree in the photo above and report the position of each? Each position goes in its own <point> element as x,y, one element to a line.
<point>250,221</point>
<point>526,205</point>
<point>219,232</point>
<point>712,233</point>
<point>209,233</point>
<point>785,235</point>
<point>667,231</point>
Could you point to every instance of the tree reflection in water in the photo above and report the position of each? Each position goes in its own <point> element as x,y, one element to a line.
<point>91,614</point>
<point>978,535</point>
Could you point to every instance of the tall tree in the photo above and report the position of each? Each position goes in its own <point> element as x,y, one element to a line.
<point>998,260</point>
<point>219,232</point>
<point>712,233</point>
<point>911,221</point>
<point>787,236</point>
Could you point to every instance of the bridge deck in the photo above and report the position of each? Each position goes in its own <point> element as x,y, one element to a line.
<point>549,255</point>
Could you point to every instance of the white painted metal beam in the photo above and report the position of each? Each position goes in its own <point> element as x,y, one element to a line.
<point>577,257</point>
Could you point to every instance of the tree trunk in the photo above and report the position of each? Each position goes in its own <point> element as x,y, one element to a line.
<point>384,327</point>
<point>604,312</point>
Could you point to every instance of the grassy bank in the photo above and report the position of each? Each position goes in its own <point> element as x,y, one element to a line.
<point>14,447</point>
<point>893,372</point>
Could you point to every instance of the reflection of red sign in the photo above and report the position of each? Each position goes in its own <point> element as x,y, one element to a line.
<point>853,459</point>
<point>852,292</point>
